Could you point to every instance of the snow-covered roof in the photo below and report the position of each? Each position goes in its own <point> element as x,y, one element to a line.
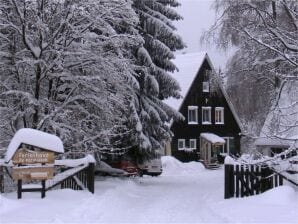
<point>213,138</point>
<point>188,65</point>
<point>267,141</point>
<point>35,138</point>
<point>280,127</point>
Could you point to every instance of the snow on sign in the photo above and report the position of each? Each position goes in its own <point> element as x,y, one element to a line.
<point>32,153</point>
<point>33,138</point>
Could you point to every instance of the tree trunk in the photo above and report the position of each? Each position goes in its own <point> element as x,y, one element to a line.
<point>36,95</point>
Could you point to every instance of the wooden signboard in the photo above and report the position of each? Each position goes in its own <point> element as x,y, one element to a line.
<point>32,173</point>
<point>25,156</point>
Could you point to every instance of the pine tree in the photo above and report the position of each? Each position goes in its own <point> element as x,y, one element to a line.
<point>154,64</point>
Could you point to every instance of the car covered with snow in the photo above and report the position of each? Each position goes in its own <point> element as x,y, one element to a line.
<point>151,167</point>
<point>104,169</point>
<point>124,162</point>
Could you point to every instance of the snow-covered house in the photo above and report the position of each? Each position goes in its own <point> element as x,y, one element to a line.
<point>280,129</point>
<point>211,126</point>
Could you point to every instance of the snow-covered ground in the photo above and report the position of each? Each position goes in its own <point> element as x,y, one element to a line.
<point>183,193</point>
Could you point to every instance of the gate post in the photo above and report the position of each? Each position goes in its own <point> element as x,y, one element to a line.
<point>19,188</point>
<point>90,176</point>
<point>229,181</point>
<point>1,179</point>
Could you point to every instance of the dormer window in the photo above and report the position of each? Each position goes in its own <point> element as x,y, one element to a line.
<point>192,115</point>
<point>206,87</point>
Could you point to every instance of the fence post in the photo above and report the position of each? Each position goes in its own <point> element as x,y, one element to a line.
<point>265,180</point>
<point>90,183</point>
<point>1,179</point>
<point>229,181</point>
<point>19,189</point>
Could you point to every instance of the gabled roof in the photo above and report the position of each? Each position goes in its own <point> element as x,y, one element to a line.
<point>189,65</point>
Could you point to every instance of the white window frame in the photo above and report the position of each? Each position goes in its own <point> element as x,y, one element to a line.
<point>195,143</point>
<point>192,108</point>
<point>209,111</point>
<point>206,87</point>
<point>183,141</point>
<point>222,115</point>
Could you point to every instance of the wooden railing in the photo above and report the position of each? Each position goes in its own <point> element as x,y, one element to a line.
<point>78,178</point>
<point>246,180</point>
<point>77,174</point>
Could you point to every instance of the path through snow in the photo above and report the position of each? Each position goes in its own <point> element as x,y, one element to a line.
<point>183,193</point>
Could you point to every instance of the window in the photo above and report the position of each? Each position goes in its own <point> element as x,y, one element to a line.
<point>193,143</point>
<point>219,115</point>
<point>192,115</point>
<point>206,115</point>
<point>181,144</point>
<point>206,87</point>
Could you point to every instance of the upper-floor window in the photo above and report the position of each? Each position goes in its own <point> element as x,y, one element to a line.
<point>181,144</point>
<point>192,115</point>
<point>206,115</point>
<point>219,115</point>
<point>193,143</point>
<point>206,87</point>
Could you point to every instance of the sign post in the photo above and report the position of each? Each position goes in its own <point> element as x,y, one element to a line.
<point>32,165</point>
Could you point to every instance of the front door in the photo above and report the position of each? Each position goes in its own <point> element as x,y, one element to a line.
<point>207,151</point>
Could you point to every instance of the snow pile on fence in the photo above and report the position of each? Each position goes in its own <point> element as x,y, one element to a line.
<point>170,165</point>
<point>35,138</point>
<point>75,162</point>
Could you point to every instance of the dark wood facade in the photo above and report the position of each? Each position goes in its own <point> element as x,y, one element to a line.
<point>197,98</point>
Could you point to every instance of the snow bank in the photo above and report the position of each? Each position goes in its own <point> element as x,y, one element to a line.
<point>278,205</point>
<point>170,165</point>
<point>36,138</point>
<point>282,195</point>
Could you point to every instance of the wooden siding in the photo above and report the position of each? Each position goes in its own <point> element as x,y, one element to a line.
<point>196,97</point>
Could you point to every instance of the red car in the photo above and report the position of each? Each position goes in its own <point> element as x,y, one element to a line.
<point>128,166</point>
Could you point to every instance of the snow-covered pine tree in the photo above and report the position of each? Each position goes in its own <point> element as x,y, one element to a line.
<point>154,64</point>
<point>64,68</point>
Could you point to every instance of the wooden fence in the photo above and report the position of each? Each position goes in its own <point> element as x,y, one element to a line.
<point>80,177</point>
<point>246,180</point>
<point>79,180</point>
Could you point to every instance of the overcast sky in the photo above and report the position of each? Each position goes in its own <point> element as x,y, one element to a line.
<point>198,16</point>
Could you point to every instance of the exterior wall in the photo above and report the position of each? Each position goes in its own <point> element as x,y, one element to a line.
<point>167,150</point>
<point>183,130</point>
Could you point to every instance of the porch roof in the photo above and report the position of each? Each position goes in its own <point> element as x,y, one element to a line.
<point>213,138</point>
